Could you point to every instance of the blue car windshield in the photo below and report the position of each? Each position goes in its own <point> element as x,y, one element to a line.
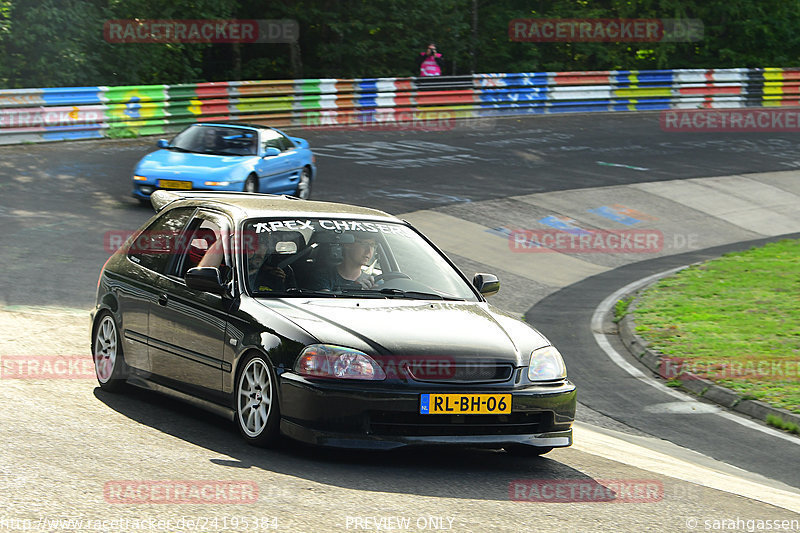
<point>342,257</point>
<point>219,140</point>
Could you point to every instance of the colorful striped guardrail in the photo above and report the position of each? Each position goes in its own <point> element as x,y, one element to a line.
<point>37,115</point>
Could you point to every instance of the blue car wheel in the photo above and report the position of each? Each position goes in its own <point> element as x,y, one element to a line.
<point>251,185</point>
<point>304,185</point>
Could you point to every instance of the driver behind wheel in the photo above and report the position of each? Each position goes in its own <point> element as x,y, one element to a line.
<point>341,268</point>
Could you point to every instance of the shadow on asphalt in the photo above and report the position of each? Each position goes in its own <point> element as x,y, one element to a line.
<point>450,472</point>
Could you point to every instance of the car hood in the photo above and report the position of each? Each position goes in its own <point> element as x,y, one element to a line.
<point>462,330</point>
<point>175,164</point>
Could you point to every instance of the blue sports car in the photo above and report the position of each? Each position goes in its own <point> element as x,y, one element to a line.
<point>227,157</point>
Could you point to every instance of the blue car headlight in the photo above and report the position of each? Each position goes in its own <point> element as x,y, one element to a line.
<point>546,365</point>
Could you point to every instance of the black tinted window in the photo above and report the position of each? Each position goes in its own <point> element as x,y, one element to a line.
<point>155,246</point>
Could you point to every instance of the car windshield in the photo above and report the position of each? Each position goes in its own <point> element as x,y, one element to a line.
<point>330,257</point>
<point>220,140</point>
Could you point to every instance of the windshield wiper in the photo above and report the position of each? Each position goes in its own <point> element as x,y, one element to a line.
<point>421,295</point>
<point>398,293</point>
<point>179,149</point>
<point>222,152</point>
<point>293,291</point>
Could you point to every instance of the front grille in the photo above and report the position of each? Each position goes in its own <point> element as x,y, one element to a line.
<point>417,425</point>
<point>466,372</point>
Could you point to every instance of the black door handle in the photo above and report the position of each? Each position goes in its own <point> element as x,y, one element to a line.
<point>162,299</point>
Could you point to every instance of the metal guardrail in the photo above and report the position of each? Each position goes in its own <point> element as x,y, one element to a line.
<point>39,115</point>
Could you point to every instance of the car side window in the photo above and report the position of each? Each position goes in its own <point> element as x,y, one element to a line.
<point>273,139</point>
<point>287,143</point>
<point>155,246</point>
<point>204,245</point>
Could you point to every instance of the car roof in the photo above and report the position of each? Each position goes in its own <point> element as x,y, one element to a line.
<point>241,205</point>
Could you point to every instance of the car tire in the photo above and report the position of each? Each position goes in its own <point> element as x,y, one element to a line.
<point>256,403</point>
<point>109,362</point>
<point>304,185</point>
<point>251,184</point>
<point>523,450</point>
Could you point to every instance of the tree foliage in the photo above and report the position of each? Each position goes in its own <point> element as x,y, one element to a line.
<point>60,42</point>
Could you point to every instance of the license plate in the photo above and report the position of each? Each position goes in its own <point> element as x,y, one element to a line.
<point>465,404</point>
<point>172,184</point>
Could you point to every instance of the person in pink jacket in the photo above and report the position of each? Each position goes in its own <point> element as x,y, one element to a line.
<point>430,62</point>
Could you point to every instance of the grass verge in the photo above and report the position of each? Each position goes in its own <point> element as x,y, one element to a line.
<point>734,320</point>
<point>621,308</point>
<point>780,423</point>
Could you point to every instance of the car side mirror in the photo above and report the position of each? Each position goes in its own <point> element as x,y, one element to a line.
<point>206,279</point>
<point>271,152</point>
<point>162,143</point>
<point>487,284</point>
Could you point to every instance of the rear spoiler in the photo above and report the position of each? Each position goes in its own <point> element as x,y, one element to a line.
<point>161,198</point>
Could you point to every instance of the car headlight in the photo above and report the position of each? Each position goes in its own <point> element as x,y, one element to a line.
<point>546,364</point>
<point>139,178</point>
<point>337,362</point>
<point>217,183</point>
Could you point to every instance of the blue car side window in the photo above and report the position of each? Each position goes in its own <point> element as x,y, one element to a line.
<point>272,139</point>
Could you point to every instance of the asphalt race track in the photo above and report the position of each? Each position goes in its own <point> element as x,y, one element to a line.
<point>468,188</point>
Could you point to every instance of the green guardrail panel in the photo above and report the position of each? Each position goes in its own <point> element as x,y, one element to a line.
<point>268,104</point>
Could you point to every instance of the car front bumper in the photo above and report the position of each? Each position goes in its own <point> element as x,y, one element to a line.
<point>347,416</point>
<point>142,189</point>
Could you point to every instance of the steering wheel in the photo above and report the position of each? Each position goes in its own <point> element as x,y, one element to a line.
<point>386,276</point>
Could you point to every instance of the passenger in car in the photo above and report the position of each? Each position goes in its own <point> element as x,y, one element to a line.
<point>213,256</point>
<point>272,278</point>
<point>272,261</point>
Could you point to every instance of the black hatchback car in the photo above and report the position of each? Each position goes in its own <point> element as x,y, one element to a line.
<point>328,323</point>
